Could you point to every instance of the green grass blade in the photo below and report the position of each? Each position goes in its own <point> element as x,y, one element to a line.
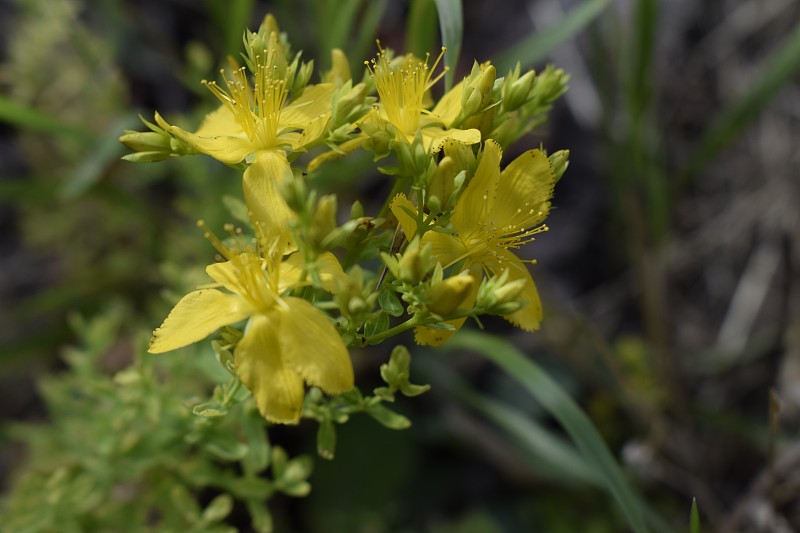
<point>694,518</point>
<point>553,457</point>
<point>781,68</point>
<point>232,18</point>
<point>451,25</point>
<point>364,47</point>
<point>105,152</point>
<point>532,49</point>
<point>553,398</point>
<point>421,33</point>
<point>30,119</point>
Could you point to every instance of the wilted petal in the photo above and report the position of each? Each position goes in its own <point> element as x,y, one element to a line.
<point>277,389</point>
<point>312,347</point>
<point>196,316</point>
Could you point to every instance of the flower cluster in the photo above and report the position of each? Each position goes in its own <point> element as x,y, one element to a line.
<point>297,289</point>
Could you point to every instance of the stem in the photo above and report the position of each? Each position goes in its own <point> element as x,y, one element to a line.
<point>420,319</point>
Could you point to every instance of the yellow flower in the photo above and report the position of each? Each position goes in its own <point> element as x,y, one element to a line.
<point>498,212</point>
<point>402,90</point>
<point>254,124</point>
<point>287,341</point>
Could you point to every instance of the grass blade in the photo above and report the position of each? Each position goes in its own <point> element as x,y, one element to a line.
<point>532,49</point>
<point>451,25</point>
<point>694,518</point>
<point>28,118</point>
<point>552,397</point>
<point>367,30</point>
<point>554,458</point>
<point>781,68</point>
<point>421,27</point>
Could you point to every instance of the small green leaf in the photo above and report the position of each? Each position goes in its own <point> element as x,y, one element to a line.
<point>387,417</point>
<point>260,517</point>
<point>218,509</point>
<point>326,439</point>
<point>377,324</point>
<point>389,302</point>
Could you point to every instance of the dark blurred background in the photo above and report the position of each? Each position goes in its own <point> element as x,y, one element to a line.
<point>669,275</point>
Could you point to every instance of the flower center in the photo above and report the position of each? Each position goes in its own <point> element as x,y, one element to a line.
<point>256,110</point>
<point>402,89</point>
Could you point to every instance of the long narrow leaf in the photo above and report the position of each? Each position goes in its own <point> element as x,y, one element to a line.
<point>532,49</point>
<point>555,458</point>
<point>421,35</point>
<point>367,29</point>
<point>550,395</point>
<point>28,118</point>
<point>451,24</point>
<point>781,68</point>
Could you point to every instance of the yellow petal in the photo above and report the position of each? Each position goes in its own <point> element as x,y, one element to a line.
<point>433,138</point>
<point>312,347</point>
<point>449,106</point>
<point>400,206</point>
<point>328,268</point>
<point>195,317</point>
<point>228,149</point>
<point>529,317</point>
<point>447,249</point>
<point>277,389</point>
<point>524,191</point>
<point>220,122</point>
<point>262,184</point>
<point>315,101</point>
<point>475,203</point>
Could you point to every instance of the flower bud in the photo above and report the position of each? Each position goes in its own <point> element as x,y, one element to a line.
<point>347,100</point>
<point>442,184</point>
<point>516,92</point>
<point>549,85</point>
<point>446,296</point>
<point>323,221</point>
<point>339,73</point>
<point>559,161</point>
<point>499,296</point>
<point>477,92</point>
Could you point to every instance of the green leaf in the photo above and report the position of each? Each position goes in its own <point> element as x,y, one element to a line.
<point>260,517</point>
<point>218,509</point>
<point>99,158</point>
<point>451,26</point>
<point>28,118</point>
<point>554,458</point>
<point>553,398</point>
<point>365,39</point>
<point>326,439</point>
<point>389,302</point>
<point>387,417</point>
<point>694,518</point>
<point>377,324</point>
<point>781,68</point>
<point>535,47</point>
<point>258,452</point>
<point>421,30</point>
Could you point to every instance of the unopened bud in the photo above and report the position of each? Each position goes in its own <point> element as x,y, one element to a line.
<point>447,296</point>
<point>323,221</point>
<point>516,92</point>
<point>347,100</point>
<point>477,92</point>
<point>559,161</point>
<point>340,69</point>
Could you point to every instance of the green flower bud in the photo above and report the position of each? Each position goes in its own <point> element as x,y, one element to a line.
<point>442,184</point>
<point>559,161</point>
<point>499,296</point>
<point>447,296</point>
<point>323,221</point>
<point>340,69</point>
<point>347,100</point>
<point>516,92</point>
<point>477,92</point>
<point>549,85</point>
